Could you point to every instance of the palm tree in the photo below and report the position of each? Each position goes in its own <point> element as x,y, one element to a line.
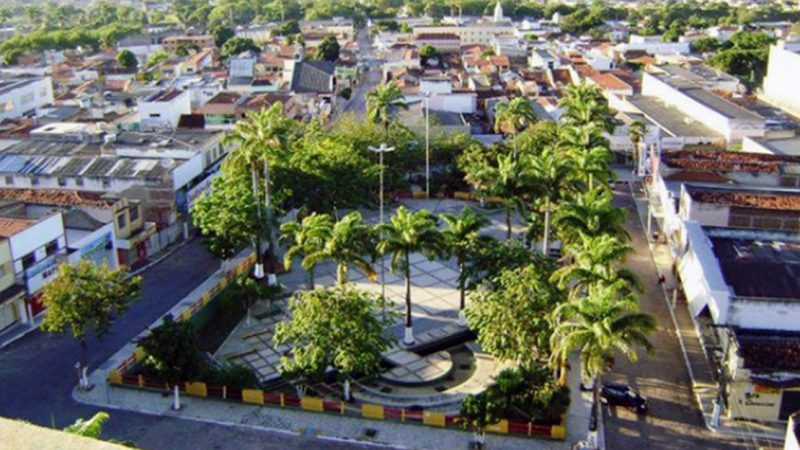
<point>346,244</point>
<point>306,238</point>
<point>590,213</point>
<point>382,102</point>
<point>636,131</point>
<point>461,237</point>
<point>406,233</point>
<point>507,180</point>
<point>261,138</point>
<point>589,152</point>
<point>550,173</point>
<point>513,117</point>
<point>583,104</point>
<point>595,260</point>
<point>600,325</point>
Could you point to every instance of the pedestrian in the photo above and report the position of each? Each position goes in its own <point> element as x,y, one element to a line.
<point>662,279</point>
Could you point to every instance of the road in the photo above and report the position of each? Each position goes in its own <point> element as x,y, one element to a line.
<point>674,421</point>
<point>37,375</point>
<point>371,78</point>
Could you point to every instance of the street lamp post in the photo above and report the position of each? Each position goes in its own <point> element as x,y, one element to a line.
<point>427,96</point>
<point>380,151</point>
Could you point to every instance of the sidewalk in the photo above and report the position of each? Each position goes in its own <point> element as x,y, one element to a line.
<point>326,426</point>
<point>704,385</point>
<point>19,330</point>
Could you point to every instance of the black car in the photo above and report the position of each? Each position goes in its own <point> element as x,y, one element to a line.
<point>623,395</point>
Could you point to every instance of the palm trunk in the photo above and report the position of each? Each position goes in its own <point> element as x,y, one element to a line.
<point>409,334</point>
<point>508,220</point>
<point>258,271</point>
<point>595,404</point>
<point>311,278</point>
<point>591,181</point>
<point>341,273</point>
<point>545,243</point>
<point>271,279</point>
<point>462,287</point>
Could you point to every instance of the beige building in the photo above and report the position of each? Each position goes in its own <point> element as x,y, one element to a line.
<point>12,295</point>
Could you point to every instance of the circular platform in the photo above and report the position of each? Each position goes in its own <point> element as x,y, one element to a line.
<point>423,370</point>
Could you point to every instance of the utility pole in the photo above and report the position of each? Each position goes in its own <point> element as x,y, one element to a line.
<point>380,151</point>
<point>427,145</point>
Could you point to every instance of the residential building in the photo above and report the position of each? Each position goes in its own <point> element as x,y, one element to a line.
<point>443,42</point>
<point>23,96</point>
<point>163,110</point>
<point>792,441</point>
<point>12,294</point>
<point>653,45</point>
<point>479,32</point>
<point>143,44</point>
<point>172,43</point>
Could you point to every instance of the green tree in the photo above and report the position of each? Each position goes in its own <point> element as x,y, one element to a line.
<point>127,59</point>
<point>87,297</point>
<point>636,132</point>
<point>705,45</point>
<point>550,173</point>
<point>338,327</point>
<point>327,50</point>
<point>601,324</point>
<point>461,239</point>
<point>584,103</point>
<point>346,244</point>
<point>477,413</point>
<point>590,213</point>
<point>90,428</point>
<point>156,58</point>
<point>173,351</point>
<point>262,140</point>
<point>222,34</point>
<point>406,233</point>
<point>508,178</point>
<point>745,55</point>
<point>238,45</point>
<point>511,317</point>
<point>428,51</point>
<point>306,238</point>
<point>382,102</point>
<point>513,116</point>
<point>588,152</point>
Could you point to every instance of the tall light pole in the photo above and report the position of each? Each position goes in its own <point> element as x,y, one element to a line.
<point>380,151</point>
<point>427,96</point>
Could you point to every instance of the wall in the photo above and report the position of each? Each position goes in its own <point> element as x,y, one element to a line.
<point>768,314</point>
<point>33,240</point>
<point>780,85</point>
<point>791,442</point>
<point>706,214</point>
<point>459,103</point>
<point>164,113</point>
<point>187,171</point>
<point>97,246</point>
<point>7,272</point>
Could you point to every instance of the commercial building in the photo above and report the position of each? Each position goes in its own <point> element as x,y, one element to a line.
<point>480,32</point>
<point>13,308</point>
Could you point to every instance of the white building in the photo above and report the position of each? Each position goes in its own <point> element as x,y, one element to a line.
<point>164,109</point>
<point>23,96</point>
<point>720,115</point>
<point>780,86</point>
<point>469,33</point>
<point>654,45</point>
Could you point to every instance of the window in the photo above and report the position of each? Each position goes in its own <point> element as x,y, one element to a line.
<point>121,221</point>
<point>155,115</point>
<point>28,260</point>
<point>2,271</point>
<point>134,213</point>
<point>51,247</point>
<point>9,180</point>
<point>106,183</point>
<point>35,181</point>
<point>62,181</point>
<point>79,181</point>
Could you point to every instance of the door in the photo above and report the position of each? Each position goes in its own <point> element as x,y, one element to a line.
<point>8,314</point>
<point>790,404</point>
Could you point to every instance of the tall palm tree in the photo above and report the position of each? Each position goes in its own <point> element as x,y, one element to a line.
<point>508,179</point>
<point>589,152</point>
<point>595,261</point>
<point>306,238</point>
<point>600,325</point>
<point>550,173</point>
<point>583,104</point>
<point>382,102</point>
<point>636,131</point>
<point>461,237</point>
<point>346,244</point>
<point>590,213</point>
<point>513,117</point>
<point>261,139</point>
<point>406,233</point>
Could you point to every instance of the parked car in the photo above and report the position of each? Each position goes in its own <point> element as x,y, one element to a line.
<point>623,395</point>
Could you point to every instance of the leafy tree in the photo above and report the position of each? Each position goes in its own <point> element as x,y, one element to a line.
<point>85,297</point>
<point>222,34</point>
<point>584,103</point>
<point>345,93</point>
<point>745,55</point>
<point>601,324</point>
<point>530,392</point>
<point>427,52</point>
<point>90,428</point>
<point>461,239</point>
<point>590,213</point>
<point>382,102</point>
<point>705,45</point>
<point>337,327</point>
<point>185,50</point>
<point>238,45</point>
<point>636,132</point>
<point>327,50</point>
<point>477,413</point>
<point>508,178</point>
<point>511,318</point>
<point>127,59</point>
<point>306,238</point>
<point>490,257</point>
<point>406,233</point>
<point>156,58</point>
<point>346,244</point>
<point>173,351</point>
<point>250,291</point>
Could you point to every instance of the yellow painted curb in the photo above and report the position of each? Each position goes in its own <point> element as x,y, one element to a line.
<point>312,404</point>
<point>253,396</point>
<point>434,419</point>
<point>372,411</point>
<point>198,389</point>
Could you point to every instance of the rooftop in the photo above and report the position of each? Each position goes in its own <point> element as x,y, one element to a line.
<point>671,119</point>
<point>9,226</point>
<point>697,93</point>
<point>438,36</point>
<point>744,261</point>
<point>11,84</point>
<point>59,197</point>
<point>768,350</point>
<point>726,161</point>
<point>164,96</point>
<point>746,197</point>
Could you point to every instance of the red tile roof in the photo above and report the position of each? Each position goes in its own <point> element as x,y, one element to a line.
<point>10,226</point>
<point>610,82</point>
<point>765,200</point>
<point>726,161</point>
<point>60,197</point>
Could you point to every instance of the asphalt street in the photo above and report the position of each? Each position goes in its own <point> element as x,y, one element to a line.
<point>37,373</point>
